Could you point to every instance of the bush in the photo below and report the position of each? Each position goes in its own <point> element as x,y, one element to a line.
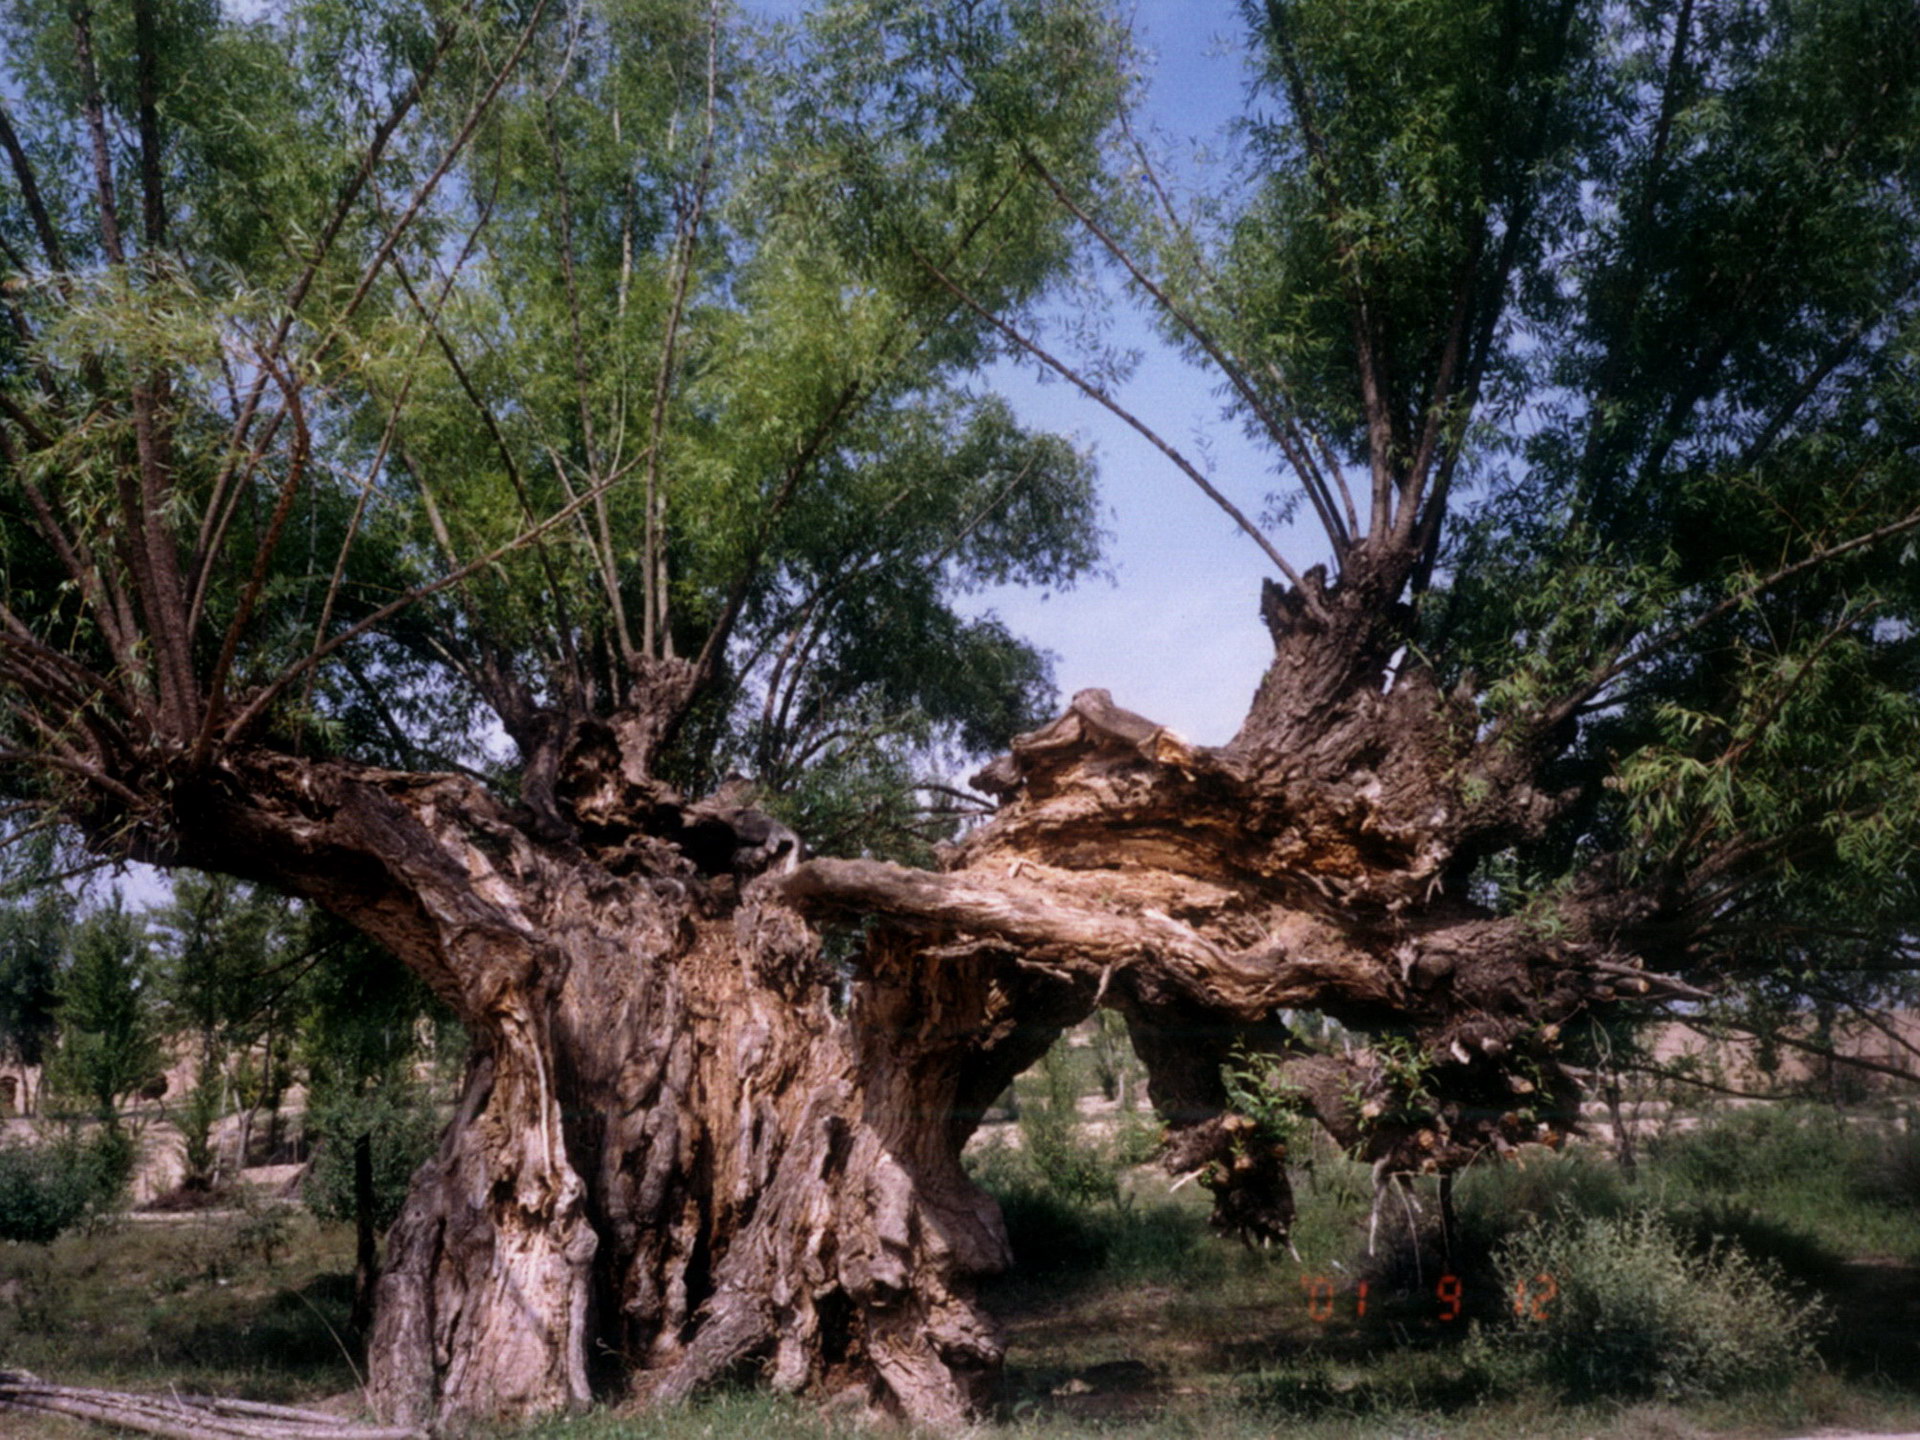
<point>403,1128</point>
<point>1757,1148</point>
<point>1076,1170</point>
<point>1064,1240</point>
<point>47,1190</point>
<point>1050,1236</point>
<point>1632,1309</point>
<point>1892,1173</point>
<point>1723,1220</point>
<point>1837,1182</point>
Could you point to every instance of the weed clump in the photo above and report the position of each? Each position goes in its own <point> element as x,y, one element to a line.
<point>1625,1306</point>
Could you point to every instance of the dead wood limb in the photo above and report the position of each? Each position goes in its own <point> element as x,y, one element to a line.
<point>187,1417</point>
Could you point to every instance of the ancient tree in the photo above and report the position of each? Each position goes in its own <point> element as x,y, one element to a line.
<point>589,383</point>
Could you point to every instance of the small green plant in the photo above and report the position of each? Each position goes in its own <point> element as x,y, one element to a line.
<point>1624,1305</point>
<point>195,1121</point>
<point>1406,1071</point>
<point>1114,1064</point>
<point>265,1227</point>
<point>1073,1168</point>
<point>1257,1089</point>
<point>46,1190</point>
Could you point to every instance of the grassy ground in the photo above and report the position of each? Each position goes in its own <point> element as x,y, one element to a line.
<point>1127,1318</point>
<point>252,1305</point>
<point>1174,1333</point>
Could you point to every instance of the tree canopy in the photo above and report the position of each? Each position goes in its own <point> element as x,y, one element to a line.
<point>463,363</point>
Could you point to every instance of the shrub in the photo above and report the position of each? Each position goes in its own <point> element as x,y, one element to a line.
<point>1837,1182</point>
<point>1758,1147</point>
<point>1050,1236</point>
<point>1799,1254</point>
<point>403,1128</point>
<point>47,1190</point>
<point>1064,1240</point>
<point>1892,1174</point>
<point>1633,1309</point>
<point>1075,1169</point>
<point>196,1120</point>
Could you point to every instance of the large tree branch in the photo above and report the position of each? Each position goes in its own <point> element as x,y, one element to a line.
<point>1300,967</point>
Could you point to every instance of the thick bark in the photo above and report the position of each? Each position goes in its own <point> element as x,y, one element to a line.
<point>1316,863</point>
<point>685,1145</point>
<point>680,1147</point>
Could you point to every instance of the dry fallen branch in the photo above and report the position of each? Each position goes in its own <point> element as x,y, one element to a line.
<point>187,1417</point>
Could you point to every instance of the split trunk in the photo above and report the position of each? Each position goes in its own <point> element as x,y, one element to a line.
<point>688,1143</point>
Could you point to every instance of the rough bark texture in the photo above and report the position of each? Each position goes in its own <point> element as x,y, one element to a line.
<point>1318,862</point>
<point>685,1145</point>
<point>682,1144</point>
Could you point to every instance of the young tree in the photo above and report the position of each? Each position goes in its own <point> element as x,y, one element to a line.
<point>371,1115</point>
<point>36,917</point>
<point>1584,334</point>
<point>109,1024</point>
<point>234,960</point>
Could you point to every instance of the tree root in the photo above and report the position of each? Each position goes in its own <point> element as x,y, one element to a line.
<point>187,1417</point>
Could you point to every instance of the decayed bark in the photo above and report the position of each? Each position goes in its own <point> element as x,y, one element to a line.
<point>680,1147</point>
<point>685,1145</point>
<point>1315,863</point>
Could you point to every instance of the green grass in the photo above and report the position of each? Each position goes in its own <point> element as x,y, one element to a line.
<point>1851,1186</point>
<point>202,1303</point>
<point>1150,1326</point>
<point>1130,1319</point>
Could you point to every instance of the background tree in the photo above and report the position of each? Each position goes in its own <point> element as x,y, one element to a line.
<point>35,918</point>
<point>235,964</point>
<point>1585,339</point>
<point>109,1022</point>
<point>371,1039</point>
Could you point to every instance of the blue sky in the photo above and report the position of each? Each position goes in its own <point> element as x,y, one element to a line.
<point>1177,635</point>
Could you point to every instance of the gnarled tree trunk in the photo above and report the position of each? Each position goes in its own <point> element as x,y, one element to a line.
<point>686,1145</point>
<point>683,1143</point>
